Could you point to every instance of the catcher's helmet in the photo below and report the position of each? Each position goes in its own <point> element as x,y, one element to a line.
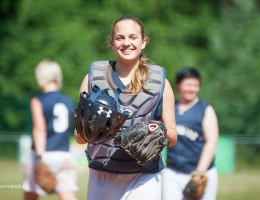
<point>98,117</point>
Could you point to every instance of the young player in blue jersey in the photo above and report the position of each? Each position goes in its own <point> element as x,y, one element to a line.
<point>51,120</point>
<point>197,129</point>
<point>146,95</point>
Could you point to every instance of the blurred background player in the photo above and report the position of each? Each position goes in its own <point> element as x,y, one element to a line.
<point>51,119</point>
<point>197,128</point>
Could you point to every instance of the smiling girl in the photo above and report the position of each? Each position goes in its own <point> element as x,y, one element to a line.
<point>147,95</point>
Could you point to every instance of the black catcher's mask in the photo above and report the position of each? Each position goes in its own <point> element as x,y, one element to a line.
<point>98,117</point>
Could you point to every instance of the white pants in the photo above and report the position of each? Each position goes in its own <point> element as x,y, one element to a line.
<point>62,164</point>
<point>108,186</point>
<point>174,182</point>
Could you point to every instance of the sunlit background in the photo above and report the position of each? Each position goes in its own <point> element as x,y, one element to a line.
<point>218,37</point>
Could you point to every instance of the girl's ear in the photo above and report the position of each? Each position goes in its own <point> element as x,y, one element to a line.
<point>143,44</point>
<point>111,43</point>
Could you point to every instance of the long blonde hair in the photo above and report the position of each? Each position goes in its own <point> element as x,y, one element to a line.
<point>142,72</point>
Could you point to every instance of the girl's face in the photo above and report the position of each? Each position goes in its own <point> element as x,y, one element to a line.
<point>188,89</point>
<point>127,41</point>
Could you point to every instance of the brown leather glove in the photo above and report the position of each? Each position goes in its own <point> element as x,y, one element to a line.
<point>143,141</point>
<point>196,186</point>
<point>45,178</point>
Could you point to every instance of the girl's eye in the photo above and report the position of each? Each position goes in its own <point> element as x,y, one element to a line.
<point>119,38</point>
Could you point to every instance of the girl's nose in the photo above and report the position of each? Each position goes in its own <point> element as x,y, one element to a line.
<point>126,41</point>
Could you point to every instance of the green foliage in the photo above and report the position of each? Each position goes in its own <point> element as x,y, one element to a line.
<point>220,38</point>
<point>234,71</point>
<point>10,150</point>
<point>247,156</point>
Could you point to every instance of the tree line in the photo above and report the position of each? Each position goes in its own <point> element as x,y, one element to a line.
<point>218,37</point>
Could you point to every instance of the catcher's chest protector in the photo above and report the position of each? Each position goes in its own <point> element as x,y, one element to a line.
<point>108,156</point>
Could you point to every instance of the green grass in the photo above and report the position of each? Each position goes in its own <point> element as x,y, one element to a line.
<point>241,185</point>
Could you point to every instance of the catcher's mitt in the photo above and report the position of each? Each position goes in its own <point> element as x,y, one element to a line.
<point>195,187</point>
<point>143,141</point>
<point>45,178</point>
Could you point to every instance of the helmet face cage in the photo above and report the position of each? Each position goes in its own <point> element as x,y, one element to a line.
<point>98,117</point>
